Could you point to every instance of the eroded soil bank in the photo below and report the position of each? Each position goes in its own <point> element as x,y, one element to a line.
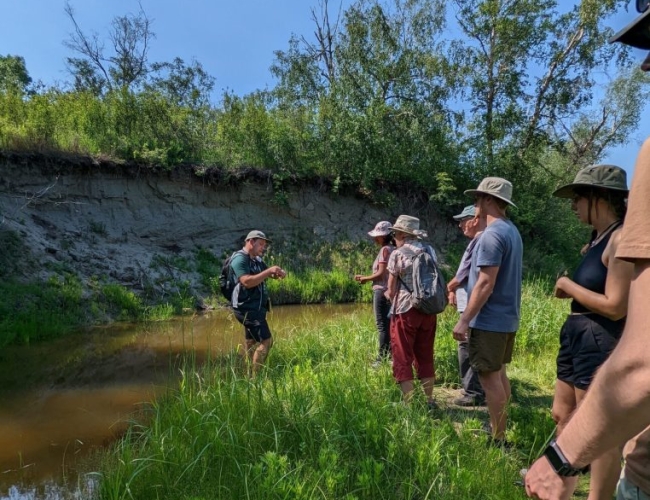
<point>136,226</point>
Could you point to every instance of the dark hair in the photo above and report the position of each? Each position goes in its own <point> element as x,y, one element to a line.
<point>388,239</point>
<point>615,199</point>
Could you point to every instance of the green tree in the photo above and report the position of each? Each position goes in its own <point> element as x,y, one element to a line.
<point>124,66</point>
<point>13,74</point>
<point>376,83</point>
<point>531,70</point>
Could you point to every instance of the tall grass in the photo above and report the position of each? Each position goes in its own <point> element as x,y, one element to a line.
<point>319,423</point>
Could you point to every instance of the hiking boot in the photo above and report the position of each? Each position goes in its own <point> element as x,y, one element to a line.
<point>469,401</point>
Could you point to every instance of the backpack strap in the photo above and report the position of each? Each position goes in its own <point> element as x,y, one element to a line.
<point>406,252</point>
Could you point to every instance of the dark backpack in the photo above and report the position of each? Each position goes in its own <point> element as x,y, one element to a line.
<point>227,281</point>
<point>429,294</point>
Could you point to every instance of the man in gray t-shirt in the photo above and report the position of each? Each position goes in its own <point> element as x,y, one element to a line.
<point>491,317</point>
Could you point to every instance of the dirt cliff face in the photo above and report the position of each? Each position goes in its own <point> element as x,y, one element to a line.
<point>129,225</point>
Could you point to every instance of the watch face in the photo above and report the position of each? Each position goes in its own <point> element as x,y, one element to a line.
<point>554,459</point>
<point>559,464</point>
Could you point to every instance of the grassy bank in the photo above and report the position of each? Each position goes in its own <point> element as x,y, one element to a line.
<point>321,424</point>
<point>318,273</point>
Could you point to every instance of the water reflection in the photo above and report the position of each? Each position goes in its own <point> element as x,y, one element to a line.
<point>63,399</point>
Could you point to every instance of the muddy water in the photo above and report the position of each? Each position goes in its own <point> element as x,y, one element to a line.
<point>60,401</point>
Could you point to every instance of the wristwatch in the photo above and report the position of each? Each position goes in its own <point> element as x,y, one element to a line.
<point>559,462</point>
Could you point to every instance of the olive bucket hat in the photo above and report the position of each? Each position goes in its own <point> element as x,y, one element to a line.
<point>597,176</point>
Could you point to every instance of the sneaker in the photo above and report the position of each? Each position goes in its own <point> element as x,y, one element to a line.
<point>469,401</point>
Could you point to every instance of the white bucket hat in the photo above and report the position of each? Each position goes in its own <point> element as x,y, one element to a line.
<point>381,229</point>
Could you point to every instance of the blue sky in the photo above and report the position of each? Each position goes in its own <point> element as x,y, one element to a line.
<point>234,41</point>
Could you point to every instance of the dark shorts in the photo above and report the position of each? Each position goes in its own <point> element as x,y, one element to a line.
<point>255,326</point>
<point>586,341</point>
<point>489,351</point>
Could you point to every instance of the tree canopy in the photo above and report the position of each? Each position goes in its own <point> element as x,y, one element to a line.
<point>425,96</point>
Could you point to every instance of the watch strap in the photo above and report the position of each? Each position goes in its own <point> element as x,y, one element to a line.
<point>559,462</point>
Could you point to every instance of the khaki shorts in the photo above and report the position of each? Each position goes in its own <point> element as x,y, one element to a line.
<point>489,351</point>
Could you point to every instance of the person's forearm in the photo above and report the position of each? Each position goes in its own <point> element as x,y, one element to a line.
<point>453,285</point>
<point>617,405</point>
<point>391,287</point>
<point>596,302</point>
<point>253,280</point>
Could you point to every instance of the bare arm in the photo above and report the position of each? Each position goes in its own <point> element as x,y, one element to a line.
<point>453,285</point>
<point>253,280</point>
<point>481,292</point>
<point>391,287</point>
<point>381,269</point>
<point>617,405</point>
<point>613,303</point>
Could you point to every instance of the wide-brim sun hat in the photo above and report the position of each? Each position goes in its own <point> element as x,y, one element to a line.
<point>409,225</point>
<point>636,33</point>
<point>469,212</point>
<point>257,235</point>
<point>608,177</point>
<point>381,229</point>
<point>494,186</point>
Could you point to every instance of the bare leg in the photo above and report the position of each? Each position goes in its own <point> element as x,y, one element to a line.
<point>427,387</point>
<point>605,470</point>
<point>407,390</point>
<point>260,354</point>
<point>564,403</point>
<point>248,355</point>
<point>497,393</point>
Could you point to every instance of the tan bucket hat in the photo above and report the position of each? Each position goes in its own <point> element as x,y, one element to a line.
<point>494,186</point>
<point>598,176</point>
<point>409,225</point>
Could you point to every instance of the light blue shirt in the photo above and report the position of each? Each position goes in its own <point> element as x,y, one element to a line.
<point>499,245</point>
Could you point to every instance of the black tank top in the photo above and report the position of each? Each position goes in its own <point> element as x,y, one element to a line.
<point>591,272</point>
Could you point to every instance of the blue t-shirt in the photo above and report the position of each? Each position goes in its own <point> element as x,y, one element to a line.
<point>500,245</point>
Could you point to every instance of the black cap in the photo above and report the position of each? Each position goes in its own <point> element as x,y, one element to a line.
<point>637,33</point>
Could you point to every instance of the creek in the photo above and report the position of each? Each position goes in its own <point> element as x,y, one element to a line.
<point>64,400</point>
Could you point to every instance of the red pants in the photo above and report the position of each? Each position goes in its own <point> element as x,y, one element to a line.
<point>412,335</point>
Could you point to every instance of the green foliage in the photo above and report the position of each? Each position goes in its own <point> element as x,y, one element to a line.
<point>320,423</point>
<point>14,77</point>
<point>30,312</point>
<point>381,102</point>
<point>127,304</point>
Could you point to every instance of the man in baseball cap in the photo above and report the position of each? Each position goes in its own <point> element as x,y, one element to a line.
<point>250,298</point>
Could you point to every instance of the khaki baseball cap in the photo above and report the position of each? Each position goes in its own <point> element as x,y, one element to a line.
<point>257,235</point>
<point>598,176</point>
